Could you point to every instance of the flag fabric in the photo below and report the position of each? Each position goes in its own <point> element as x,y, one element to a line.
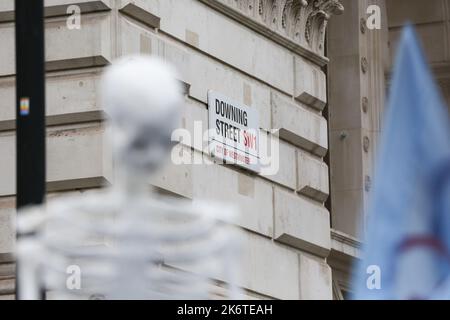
<point>406,251</point>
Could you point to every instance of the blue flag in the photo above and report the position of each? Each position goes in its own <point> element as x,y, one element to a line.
<point>406,252</point>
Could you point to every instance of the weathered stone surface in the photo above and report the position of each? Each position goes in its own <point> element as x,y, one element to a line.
<point>85,5</point>
<point>7,287</point>
<point>7,220</point>
<point>225,39</point>
<point>299,126</point>
<point>176,178</point>
<point>312,179</point>
<point>286,173</point>
<point>201,72</point>
<point>7,5</point>
<point>92,42</point>
<point>211,52</point>
<point>345,245</point>
<point>269,268</point>
<point>315,278</point>
<point>194,119</point>
<point>7,271</point>
<point>7,267</point>
<point>300,26</point>
<point>141,15</point>
<point>310,84</point>
<point>71,97</point>
<point>77,157</point>
<point>252,196</point>
<point>348,204</point>
<point>301,223</point>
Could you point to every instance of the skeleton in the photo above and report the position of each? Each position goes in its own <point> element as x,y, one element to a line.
<point>124,243</point>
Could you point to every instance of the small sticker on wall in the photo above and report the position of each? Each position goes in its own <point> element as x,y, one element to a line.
<point>24,106</point>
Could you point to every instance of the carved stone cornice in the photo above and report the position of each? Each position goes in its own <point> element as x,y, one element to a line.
<point>298,24</point>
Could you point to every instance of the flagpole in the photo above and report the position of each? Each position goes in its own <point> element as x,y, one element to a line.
<point>30,106</point>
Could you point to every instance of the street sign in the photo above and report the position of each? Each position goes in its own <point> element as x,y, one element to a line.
<point>233,132</point>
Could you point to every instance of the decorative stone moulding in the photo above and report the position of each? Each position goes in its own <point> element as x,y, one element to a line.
<point>299,22</point>
<point>365,104</point>
<point>366,144</point>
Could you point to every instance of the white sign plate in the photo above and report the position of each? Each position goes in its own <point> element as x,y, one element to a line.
<point>233,132</point>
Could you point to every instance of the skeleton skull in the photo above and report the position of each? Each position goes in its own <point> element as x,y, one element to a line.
<point>143,98</point>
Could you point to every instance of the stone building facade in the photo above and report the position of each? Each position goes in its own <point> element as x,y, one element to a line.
<point>361,60</point>
<point>312,71</point>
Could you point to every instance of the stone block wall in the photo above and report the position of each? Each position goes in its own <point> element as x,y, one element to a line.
<point>265,54</point>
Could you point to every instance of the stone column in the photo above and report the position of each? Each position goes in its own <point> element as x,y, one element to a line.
<point>432,22</point>
<point>358,57</point>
